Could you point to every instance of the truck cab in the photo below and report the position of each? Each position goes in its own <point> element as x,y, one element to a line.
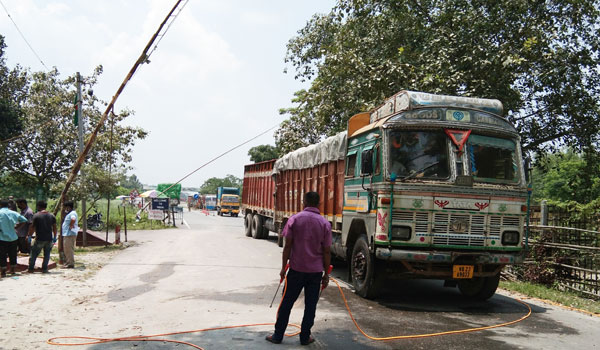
<point>228,201</point>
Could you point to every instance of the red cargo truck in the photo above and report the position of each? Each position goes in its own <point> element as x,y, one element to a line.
<point>424,186</point>
<point>271,195</point>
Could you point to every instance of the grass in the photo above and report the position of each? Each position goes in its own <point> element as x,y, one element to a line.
<point>565,298</point>
<point>118,212</point>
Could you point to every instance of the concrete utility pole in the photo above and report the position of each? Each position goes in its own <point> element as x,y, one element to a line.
<point>80,132</point>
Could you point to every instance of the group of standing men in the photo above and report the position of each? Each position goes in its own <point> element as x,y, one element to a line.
<point>17,229</point>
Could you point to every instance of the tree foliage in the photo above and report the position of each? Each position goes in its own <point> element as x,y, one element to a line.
<point>210,186</point>
<point>567,176</point>
<point>95,184</point>
<point>132,183</point>
<point>539,58</point>
<point>263,152</point>
<point>12,89</point>
<point>48,147</point>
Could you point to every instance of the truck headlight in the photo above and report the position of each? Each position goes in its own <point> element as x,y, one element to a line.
<point>510,238</point>
<point>402,233</point>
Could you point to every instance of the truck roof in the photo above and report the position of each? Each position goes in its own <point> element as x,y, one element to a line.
<point>332,148</point>
<point>408,100</point>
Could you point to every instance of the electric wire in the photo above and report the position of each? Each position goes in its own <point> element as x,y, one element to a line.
<point>154,338</point>
<point>171,19</point>
<point>92,139</point>
<point>212,160</point>
<point>23,36</point>
<point>161,36</point>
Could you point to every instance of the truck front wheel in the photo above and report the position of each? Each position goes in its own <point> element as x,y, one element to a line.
<point>479,288</point>
<point>248,225</point>
<point>365,277</point>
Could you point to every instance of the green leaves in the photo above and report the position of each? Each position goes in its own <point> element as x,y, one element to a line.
<point>567,176</point>
<point>48,146</point>
<point>539,58</point>
<point>263,152</point>
<point>210,186</point>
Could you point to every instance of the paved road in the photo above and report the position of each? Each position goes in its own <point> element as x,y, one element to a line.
<point>210,275</point>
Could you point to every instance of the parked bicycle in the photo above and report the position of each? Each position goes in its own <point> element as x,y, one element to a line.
<point>94,222</point>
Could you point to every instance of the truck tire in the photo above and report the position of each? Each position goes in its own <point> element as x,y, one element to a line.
<point>365,277</point>
<point>479,288</point>
<point>248,225</point>
<point>265,233</point>
<point>280,240</point>
<point>257,226</point>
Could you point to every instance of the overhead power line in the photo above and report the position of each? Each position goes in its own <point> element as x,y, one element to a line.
<point>171,21</point>
<point>23,36</point>
<point>142,59</point>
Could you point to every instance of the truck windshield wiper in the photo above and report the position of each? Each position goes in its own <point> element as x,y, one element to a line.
<point>420,171</point>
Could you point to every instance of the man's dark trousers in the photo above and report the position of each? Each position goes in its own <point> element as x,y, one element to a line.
<point>296,281</point>
<point>36,248</point>
<point>8,248</point>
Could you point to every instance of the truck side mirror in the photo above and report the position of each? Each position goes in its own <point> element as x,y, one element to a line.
<point>366,165</point>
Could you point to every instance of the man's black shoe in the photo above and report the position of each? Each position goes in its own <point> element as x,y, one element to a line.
<point>309,341</point>
<point>270,338</point>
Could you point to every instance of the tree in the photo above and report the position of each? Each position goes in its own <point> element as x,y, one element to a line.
<point>97,183</point>
<point>539,58</point>
<point>131,182</point>
<point>567,176</point>
<point>210,186</point>
<point>44,154</point>
<point>12,89</point>
<point>263,152</point>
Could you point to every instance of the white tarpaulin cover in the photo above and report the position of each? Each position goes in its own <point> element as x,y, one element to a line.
<point>332,148</point>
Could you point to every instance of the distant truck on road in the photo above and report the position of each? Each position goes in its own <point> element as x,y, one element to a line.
<point>424,186</point>
<point>228,201</point>
<point>210,202</point>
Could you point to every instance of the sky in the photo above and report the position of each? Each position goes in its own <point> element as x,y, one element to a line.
<point>216,79</point>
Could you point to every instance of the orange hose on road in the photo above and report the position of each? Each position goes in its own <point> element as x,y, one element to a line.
<point>153,337</point>
<point>140,338</point>
<point>428,334</point>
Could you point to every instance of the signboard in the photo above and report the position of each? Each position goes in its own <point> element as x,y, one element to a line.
<point>155,215</point>
<point>174,191</point>
<point>160,204</point>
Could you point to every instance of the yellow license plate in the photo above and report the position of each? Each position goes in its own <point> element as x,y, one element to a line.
<point>462,271</point>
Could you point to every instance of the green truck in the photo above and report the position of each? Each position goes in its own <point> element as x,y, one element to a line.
<point>424,186</point>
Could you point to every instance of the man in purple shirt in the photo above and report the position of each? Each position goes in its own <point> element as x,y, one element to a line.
<point>307,247</point>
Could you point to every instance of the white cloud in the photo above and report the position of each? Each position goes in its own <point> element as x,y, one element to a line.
<point>214,81</point>
<point>260,18</point>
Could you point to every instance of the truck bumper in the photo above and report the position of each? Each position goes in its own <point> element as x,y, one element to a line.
<point>448,257</point>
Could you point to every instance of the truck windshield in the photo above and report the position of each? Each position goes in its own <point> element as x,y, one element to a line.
<point>230,199</point>
<point>419,154</point>
<point>492,159</point>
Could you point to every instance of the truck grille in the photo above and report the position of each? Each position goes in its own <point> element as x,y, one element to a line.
<point>496,223</point>
<point>420,219</point>
<point>444,235</point>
